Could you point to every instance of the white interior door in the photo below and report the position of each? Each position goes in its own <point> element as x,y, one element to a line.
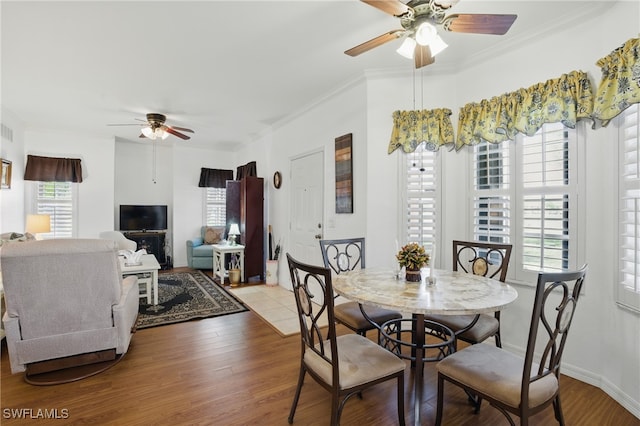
<point>307,177</point>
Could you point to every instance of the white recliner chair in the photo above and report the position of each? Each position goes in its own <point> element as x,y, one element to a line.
<point>123,242</point>
<point>67,305</point>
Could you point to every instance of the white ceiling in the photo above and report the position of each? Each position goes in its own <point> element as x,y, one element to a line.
<point>227,69</point>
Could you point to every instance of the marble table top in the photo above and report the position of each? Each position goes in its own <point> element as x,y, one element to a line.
<point>454,292</point>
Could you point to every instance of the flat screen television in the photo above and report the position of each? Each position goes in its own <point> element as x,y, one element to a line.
<point>143,218</point>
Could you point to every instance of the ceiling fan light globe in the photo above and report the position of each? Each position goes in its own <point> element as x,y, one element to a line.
<point>148,132</point>
<point>407,47</point>
<point>437,45</point>
<point>163,134</point>
<point>425,34</point>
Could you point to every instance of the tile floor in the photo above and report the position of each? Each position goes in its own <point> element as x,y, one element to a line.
<point>274,304</point>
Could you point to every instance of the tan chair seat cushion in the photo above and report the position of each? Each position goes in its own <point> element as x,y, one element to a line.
<point>497,373</point>
<point>349,314</point>
<point>360,361</point>
<point>486,326</point>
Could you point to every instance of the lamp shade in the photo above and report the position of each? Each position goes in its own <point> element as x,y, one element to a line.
<point>38,223</point>
<point>234,230</point>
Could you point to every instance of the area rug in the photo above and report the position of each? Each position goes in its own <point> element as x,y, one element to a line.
<point>185,296</point>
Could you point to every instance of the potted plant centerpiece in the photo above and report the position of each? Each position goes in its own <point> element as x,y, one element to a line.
<point>413,257</point>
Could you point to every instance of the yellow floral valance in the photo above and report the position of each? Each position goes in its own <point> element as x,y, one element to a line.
<point>565,99</point>
<point>620,85</point>
<point>411,128</point>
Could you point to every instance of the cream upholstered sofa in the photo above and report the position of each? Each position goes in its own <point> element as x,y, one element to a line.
<point>65,297</point>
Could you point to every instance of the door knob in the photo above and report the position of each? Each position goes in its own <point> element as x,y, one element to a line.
<point>318,236</point>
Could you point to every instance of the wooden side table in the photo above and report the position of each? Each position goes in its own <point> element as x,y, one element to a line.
<point>219,269</point>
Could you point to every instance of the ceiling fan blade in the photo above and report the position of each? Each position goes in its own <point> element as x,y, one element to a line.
<point>182,129</point>
<point>392,7</point>
<point>422,56</point>
<point>175,133</point>
<point>479,23</point>
<point>142,136</point>
<point>375,42</point>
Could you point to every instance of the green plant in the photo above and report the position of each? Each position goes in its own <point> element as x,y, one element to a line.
<point>413,257</point>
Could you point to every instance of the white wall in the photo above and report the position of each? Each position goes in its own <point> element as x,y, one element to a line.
<point>177,168</point>
<point>95,193</point>
<point>12,214</point>
<point>188,199</point>
<point>143,175</point>
<point>384,96</point>
<point>315,129</point>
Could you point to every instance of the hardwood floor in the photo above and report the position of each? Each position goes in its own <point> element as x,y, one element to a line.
<point>235,370</point>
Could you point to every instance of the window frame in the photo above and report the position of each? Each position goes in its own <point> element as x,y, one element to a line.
<point>625,297</point>
<point>32,190</point>
<point>404,167</point>
<point>516,192</point>
<point>206,204</point>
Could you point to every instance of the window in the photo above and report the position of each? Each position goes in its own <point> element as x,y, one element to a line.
<point>215,206</point>
<point>58,200</point>
<point>525,192</point>
<point>491,201</point>
<point>628,293</point>
<point>421,218</point>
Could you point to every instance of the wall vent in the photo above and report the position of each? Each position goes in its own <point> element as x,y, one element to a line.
<point>7,132</point>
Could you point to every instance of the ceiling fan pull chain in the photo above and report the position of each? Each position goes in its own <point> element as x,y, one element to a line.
<point>153,165</point>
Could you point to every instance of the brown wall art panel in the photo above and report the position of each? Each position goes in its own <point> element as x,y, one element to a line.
<point>344,174</point>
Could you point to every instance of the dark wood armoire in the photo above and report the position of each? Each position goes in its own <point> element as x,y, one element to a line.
<point>245,206</point>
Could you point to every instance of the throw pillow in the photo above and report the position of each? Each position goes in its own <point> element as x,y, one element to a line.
<point>213,234</point>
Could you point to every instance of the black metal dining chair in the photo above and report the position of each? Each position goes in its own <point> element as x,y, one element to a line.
<point>512,384</point>
<point>478,258</point>
<point>343,365</point>
<point>342,255</point>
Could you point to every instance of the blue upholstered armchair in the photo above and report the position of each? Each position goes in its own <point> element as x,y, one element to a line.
<point>200,250</point>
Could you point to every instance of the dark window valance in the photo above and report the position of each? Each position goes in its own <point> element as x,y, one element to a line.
<point>249,169</point>
<point>214,178</point>
<point>52,169</point>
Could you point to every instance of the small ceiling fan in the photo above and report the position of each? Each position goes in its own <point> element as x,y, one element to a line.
<point>155,128</point>
<point>418,19</point>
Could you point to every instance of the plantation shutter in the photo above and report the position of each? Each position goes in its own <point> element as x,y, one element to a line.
<point>629,209</point>
<point>56,200</point>
<point>216,206</point>
<point>491,199</point>
<point>546,199</point>
<point>421,197</point>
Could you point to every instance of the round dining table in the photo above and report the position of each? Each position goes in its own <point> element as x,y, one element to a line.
<point>439,292</point>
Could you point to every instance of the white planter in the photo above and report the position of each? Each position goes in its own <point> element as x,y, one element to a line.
<point>272,272</point>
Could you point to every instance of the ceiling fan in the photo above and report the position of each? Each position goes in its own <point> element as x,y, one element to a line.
<point>418,19</point>
<point>155,128</point>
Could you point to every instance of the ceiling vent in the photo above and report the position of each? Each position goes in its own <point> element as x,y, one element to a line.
<point>7,132</point>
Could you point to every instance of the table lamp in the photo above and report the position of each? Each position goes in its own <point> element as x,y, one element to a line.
<point>233,232</point>
<point>38,224</point>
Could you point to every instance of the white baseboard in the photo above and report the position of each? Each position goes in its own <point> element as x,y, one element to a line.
<point>598,381</point>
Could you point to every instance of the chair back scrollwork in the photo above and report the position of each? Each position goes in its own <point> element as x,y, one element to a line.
<point>343,255</point>
<point>479,258</point>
